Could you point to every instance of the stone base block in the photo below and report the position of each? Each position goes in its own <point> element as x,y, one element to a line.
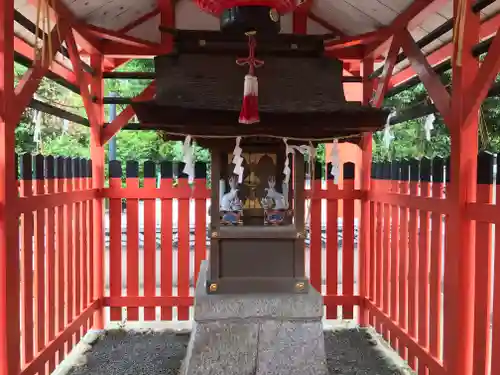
<point>256,334</point>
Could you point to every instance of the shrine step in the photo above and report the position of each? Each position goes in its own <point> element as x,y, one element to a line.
<point>255,334</point>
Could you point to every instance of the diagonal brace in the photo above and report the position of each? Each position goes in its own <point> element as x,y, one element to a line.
<point>123,118</point>
<point>28,85</point>
<point>486,75</point>
<point>383,83</point>
<point>437,91</point>
<point>81,78</point>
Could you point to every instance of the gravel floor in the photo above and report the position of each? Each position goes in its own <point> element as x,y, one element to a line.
<point>350,352</point>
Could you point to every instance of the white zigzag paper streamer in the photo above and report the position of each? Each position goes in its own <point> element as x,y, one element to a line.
<point>188,158</point>
<point>388,136</point>
<point>335,161</point>
<point>238,160</point>
<point>429,125</point>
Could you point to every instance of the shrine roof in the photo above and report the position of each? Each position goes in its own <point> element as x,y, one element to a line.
<point>341,19</point>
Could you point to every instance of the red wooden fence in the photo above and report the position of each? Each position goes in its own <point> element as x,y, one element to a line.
<point>56,258</point>
<point>157,239</point>
<point>168,285</point>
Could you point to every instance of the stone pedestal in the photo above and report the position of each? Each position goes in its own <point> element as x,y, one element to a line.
<point>255,334</point>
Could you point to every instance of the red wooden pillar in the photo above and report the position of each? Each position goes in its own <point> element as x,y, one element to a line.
<point>459,253</point>
<point>97,155</point>
<point>9,225</point>
<point>364,230</point>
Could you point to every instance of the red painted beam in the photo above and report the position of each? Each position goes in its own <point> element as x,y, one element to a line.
<point>349,41</point>
<point>82,79</point>
<point>429,78</point>
<point>386,75</point>
<point>139,21</point>
<point>167,12</point>
<point>83,37</point>
<point>28,85</point>
<point>123,118</point>
<point>24,49</point>
<point>485,77</point>
<point>116,36</point>
<point>10,341</point>
<point>345,54</point>
<point>487,28</point>
<point>299,19</point>
<point>411,18</point>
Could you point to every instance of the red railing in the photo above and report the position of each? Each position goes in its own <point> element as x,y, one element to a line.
<point>147,270</point>
<point>57,259</point>
<point>158,238</point>
<point>412,290</point>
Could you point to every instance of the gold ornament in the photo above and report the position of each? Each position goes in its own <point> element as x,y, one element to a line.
<point>274,15</point>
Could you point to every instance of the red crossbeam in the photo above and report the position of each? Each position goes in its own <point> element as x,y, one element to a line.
<point>485,77</point>
<point>28,85</point>
<point>24,49</point>
<point>386,75</point>
<point>167,18</point>
<point>123,118</point>
<point>488,28</point>
<point>82,79</point>
<point>411,18</point>
<point>429,78</point>
<point>139,21</point>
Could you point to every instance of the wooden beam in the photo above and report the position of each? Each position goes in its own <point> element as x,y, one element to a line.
<point>167,18</point>
<point>123,118</point>
<point>97,155</point>
<point>487,29</point>
<point>429,78</point>
<point>82,79</point>
<point>459,252</point>
<point>57,72</point>
<point>111,37</point>
<point>486,75</point>
<point>438,32</point>
<point>83,37</point>
<point>58,112</point>
<point>10,342</point>
<point>388,68</point>
<point>139,21</point>
<point>28,85</point>
<point>410,18</point>
<point>152,75</point>
<point>32,28</point>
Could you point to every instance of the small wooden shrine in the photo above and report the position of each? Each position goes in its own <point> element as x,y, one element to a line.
<point>257,140</point>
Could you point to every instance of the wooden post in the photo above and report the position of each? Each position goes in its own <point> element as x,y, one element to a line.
<point>364,229</point>
<point>9,225</point>
<point>459,252</point>
<point>97,155</point>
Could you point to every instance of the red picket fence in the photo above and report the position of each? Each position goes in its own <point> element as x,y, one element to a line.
<point>158,238</point>
<point>153,279</point>
<point>410,267</point>
<point>58,261</point>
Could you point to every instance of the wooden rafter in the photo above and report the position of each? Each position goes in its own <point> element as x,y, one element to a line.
<point>486,75</point>
<point>386,76</point>
<point>28,85</point>
<point>82,79</point>
<point>139,21</point>
<point>429,78</point>
<point>123,118</point>
<point>410,18</point>
<point>444,52</point>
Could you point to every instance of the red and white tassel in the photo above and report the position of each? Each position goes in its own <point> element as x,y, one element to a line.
<point>250,107</point>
